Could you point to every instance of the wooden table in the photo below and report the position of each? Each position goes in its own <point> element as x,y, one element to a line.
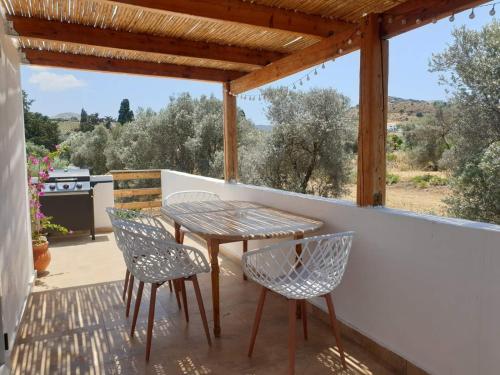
<point>220,222</point>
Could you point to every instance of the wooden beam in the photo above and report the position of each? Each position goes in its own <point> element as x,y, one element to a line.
<point>230,135</point>
<point>138,205</point>
<point>416,13</point>
<point>373,104</point>
<point>102,64</point>
<point>95,36</point>
<point>322,51</point>
<point>136,192</point>
<point>246,13</point>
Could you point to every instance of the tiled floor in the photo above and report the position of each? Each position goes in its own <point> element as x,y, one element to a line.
<point>75,324</point>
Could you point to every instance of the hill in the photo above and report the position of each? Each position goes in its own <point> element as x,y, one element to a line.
<point>403,110</point>
<point>67,116</point>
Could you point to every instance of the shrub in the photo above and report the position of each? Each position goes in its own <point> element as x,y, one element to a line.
<point>426,180</point>
<point>391,179</point>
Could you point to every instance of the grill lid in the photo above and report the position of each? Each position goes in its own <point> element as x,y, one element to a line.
<point>75,174</point>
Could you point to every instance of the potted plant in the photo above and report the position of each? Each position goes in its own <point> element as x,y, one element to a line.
<point>38,173</point>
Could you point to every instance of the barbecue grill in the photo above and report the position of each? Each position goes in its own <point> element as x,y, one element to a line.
<point>68,198</point>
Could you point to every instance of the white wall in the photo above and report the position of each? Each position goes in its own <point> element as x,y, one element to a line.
<point>425,287</point>
<point>103,198</point>
<point>16,260</point>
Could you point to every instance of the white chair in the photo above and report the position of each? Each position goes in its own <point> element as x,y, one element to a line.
<point>162,233</point>
<point>189,196</point>
<point>195,196</point>
<point>299,270</point>
<point>156,261</point>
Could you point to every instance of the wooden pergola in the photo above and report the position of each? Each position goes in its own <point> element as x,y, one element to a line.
<point>242,44</point>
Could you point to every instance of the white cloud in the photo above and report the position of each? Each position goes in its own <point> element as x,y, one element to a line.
<point>47,81</point>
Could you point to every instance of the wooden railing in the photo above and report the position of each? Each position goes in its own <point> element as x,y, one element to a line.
<point>152,194</point>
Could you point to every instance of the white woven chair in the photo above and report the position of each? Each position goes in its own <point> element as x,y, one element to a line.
<point>189,196</point>
<point>161,234</point>
<point>195,196</point>
<point>156,261</point>
<point>300,270</point>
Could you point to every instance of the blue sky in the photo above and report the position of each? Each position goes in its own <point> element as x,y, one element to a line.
<point>63,90</point>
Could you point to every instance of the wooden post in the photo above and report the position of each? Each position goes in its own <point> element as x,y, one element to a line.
<point>372,114</point>
<point>230,136</point>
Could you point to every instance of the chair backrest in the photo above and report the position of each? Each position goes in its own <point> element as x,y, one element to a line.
<point>119,214</point>
<point>316,271</point>
<point>156,260</point>
<point>190,196</point>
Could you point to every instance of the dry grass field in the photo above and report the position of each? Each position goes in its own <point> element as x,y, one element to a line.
<point>406,196</point>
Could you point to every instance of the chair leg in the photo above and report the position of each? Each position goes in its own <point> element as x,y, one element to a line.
<point>303,307</point>
<point>129,296</point>
<point>177,291</point>
<point>182,284</point>
<point>256,323</point>
<point>170,285</point>
<point>151,319</point>
<point>292,339</point>
<point>245,249</point>
<point>181,239</point>
<point>197,291</point>
<point>136,308</point>
<point>335,327</point>
<point>125,285</point>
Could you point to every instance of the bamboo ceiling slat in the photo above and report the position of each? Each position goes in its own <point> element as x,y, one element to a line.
<point>347,10</point>
<point>125,18</point>
<point>33,43</point>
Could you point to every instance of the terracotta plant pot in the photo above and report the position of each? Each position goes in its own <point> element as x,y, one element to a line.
<point>41,256</point>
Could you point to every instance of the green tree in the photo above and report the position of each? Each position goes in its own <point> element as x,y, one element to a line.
<point>427,138</point>
<point>470,67</point>
<point>125,114</point>
<point>87,150</point>
<point>308,150</point>
<point>88,122</point>
<point>39,129</point>
<point>83,116</point>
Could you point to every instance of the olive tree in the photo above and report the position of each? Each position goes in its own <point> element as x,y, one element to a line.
<point>470,67</point>
<point>308,150</point>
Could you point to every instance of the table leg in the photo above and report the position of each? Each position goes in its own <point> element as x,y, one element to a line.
<point>213,250</point>
<point>177,228</point>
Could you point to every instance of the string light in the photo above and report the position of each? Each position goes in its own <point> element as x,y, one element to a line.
<point>492,11</point>
<point>315,72</point>
<point>323,66</point>
<point>472,15</point>
<point>452,17</point>
<point>308,77</point>
<point>418,21</point>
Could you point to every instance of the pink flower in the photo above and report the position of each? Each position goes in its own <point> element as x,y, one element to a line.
<point>39,215</point>
<point>58,147</point>
<point>46,159</point>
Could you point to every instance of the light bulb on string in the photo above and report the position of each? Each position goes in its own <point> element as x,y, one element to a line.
<point>403,21</point>
<point>434,20</point>
<point>492,11</point>
<point>315,72</point>
<point>418,21</point>
<point>294,87</point>
<point>472,15</point>
<point>349,42</point>
<point>323,66</point>
<point>340,50</point>
<point>452,17</point>
<point>300,82</point>
<point>333,59</point>
<point>307,77</point>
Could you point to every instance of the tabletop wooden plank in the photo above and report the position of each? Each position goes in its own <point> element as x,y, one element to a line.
<point>238,220</point>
